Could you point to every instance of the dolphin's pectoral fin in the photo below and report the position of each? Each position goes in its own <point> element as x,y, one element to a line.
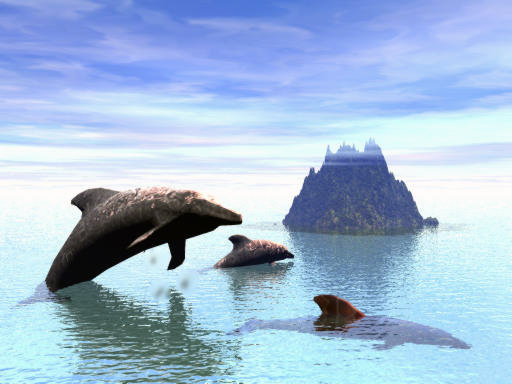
<point>388,344</point>
<point>381,347</point>
<point>177,248</point>
<point>143,237</point>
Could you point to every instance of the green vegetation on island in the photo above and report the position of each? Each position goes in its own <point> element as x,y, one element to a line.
<point>354,193</point>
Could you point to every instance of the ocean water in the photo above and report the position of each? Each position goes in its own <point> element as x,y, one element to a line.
<point>138,322</point>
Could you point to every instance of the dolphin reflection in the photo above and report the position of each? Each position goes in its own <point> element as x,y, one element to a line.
<point>114,333</point>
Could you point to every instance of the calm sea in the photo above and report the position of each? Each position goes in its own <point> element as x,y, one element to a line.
<point>138,322</point>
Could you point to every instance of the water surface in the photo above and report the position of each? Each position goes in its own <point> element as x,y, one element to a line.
<point>138,322</point>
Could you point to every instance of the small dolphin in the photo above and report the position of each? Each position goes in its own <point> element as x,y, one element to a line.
<point>341,319</point>
<point>117,225</point>
<point>251,252</point>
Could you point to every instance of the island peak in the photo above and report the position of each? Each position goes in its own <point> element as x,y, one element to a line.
<point>354,192</point>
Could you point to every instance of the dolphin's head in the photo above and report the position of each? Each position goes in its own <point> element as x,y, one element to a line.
<point>207,207</point>
<point>185,214</point>
<point>340,308</point>
<point>194,214</point>
<point>286,255</point>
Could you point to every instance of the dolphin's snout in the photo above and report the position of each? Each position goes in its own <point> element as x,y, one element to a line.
<point>230,217</point>
<point>222,215</point>
<point>236,218</point>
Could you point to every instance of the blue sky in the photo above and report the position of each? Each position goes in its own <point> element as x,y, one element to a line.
<point>201,93</point>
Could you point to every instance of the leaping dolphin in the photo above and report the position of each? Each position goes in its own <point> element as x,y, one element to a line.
<point>117,225</point>
<point>341,319</point>
<point>251,252</point>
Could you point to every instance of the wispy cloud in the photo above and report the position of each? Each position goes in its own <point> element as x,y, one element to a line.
<point>239,26</point>
<point>84,80</point>
<point>71,9</point>
<point>455,155</point>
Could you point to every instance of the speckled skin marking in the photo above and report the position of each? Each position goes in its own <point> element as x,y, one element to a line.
<point>117,225</point>
<point>251,252</point>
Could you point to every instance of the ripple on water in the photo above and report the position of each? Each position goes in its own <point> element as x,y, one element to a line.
<point>138,322</point>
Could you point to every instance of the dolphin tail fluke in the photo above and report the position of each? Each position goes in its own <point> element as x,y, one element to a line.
<point>177,248</point>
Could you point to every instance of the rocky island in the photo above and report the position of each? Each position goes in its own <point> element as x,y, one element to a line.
<point>354,193</point>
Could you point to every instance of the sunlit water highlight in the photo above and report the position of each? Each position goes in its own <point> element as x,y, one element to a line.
<point>138,322</point>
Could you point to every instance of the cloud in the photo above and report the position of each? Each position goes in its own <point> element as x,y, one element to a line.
<point>71,9</point>
<point>238,26</point>
<point>258,87</point>
<point>455,155</point>
<point>494,79</point>
<point>289,59</point>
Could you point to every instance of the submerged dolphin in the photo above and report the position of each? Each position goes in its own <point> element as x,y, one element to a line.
<point>117,225</point>
<point>251,252</point>
<point>341,319</point>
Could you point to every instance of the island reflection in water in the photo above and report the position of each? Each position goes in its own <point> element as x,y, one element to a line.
<point>368,269</point>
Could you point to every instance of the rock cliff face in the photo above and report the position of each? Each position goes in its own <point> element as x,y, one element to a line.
<point>354,193</point>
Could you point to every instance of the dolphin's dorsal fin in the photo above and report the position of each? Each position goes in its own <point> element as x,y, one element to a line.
<point>336,306</point>
<point>90,198</point>
<point>239,241</point>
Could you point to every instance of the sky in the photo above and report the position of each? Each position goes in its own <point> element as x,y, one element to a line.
<point>248,94</point>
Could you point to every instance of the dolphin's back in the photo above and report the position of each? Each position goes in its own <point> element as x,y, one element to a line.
<point>397,332</point>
